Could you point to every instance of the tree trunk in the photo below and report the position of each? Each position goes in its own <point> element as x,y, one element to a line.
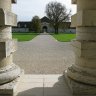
<point>56,30</point>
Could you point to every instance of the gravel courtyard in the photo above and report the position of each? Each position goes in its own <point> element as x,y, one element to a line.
<point>44,55</point>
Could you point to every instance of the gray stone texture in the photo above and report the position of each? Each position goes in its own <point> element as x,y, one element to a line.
<point>81,76</point>
<point>44,55</point>
<point>9,72</point>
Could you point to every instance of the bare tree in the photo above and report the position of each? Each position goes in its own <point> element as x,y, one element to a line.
<point>57,13</point>
<point>36,24</point>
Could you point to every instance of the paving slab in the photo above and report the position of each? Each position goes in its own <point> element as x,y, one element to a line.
<point>50,85</point>
<point>29,85</point>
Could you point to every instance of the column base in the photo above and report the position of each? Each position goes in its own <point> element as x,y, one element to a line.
<point>80,89</point>
<point>9,89</point>
<point>9,73</point>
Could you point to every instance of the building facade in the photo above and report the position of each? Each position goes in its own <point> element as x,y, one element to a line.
<point>45,27</point>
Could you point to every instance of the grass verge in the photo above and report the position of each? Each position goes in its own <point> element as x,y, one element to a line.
<point>64,37</point>
<point>24,36</point>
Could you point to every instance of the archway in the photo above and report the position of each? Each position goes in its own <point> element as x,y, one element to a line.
<point>81,74</point>
<point>44,29</point>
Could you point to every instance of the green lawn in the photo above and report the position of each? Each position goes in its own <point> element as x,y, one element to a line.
<point>64,37</point>
<point>24,36</point>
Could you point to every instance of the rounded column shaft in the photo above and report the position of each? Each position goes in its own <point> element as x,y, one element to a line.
<point>8,70</point>
<point>84,69</point>
<point>5,32</point>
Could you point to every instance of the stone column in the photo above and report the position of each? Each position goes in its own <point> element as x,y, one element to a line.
<point>8,70</point>
<point>81,76</point>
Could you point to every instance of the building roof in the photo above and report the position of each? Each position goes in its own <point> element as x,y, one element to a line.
<point>45,19</point>
<point>23,24</point>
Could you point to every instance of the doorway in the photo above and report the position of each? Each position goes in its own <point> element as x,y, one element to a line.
<point>45,29</point>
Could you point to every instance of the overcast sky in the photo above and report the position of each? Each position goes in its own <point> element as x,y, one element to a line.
<point>26,9</point>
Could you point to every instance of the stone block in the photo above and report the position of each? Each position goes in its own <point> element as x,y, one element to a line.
<point>74,20</point>
<point>86,33</point>
<point>87,30</point>
<point>9,89</point>
<point>74,1</point>
<point>14,1</point>
<point>86,62</point>
<point>80,89</point>
<point>86,49</point>
<point>7,47</point>
<point>85,53</point>
<point>86,5</point>
<point>86,36</point>
<point>84,18</point>
<point>7,18</point>
<point>84,45</point>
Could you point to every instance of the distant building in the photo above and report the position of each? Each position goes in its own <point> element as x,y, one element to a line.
<point>45,27</point>
<point>21,27</point>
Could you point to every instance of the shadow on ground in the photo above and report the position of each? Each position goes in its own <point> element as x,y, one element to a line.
<point>52,88</point>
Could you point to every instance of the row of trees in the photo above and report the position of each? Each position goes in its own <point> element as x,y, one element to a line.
<point>56,12</point>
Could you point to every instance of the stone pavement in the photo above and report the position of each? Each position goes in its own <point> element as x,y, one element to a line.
<point>43,85</point>
<point>44,55</point>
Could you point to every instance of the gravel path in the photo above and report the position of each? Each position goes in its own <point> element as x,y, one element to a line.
<point>44,55</point>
